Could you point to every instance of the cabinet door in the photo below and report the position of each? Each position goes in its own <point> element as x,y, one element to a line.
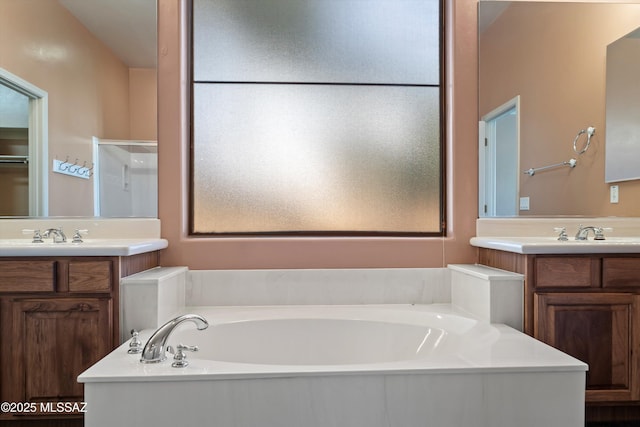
<point>53,341</point>
<point>600,329</point>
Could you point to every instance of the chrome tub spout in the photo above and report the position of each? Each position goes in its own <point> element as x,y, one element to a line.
<point>154,349</point>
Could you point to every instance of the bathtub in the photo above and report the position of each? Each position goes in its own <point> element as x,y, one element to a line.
<point>352,366</point>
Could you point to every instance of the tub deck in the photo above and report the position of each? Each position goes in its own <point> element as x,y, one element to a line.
<point>493,376</point>
<point>481,347</point>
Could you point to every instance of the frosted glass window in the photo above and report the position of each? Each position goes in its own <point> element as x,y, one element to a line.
<point>327,147</point>
<point>345,41</point>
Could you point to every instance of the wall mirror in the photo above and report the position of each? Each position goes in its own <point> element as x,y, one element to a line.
<point>548,59</point>
<point>623,109</point>
<point>94,62</point>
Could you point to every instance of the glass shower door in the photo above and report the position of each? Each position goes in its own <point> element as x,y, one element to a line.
<point>126,182</point>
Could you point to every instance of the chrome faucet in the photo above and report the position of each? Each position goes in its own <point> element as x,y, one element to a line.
<point>583,233</point>
<point>58,235</point>
<point>154,349</point>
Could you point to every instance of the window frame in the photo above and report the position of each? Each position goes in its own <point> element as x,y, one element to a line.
<point>314,233</point>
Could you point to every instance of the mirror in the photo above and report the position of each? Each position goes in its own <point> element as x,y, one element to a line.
<point>14,152</point>
<point>96,62</point>
<point>623,109</point>
<point>551,56</point>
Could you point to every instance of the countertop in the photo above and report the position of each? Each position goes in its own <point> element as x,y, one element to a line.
<point>551,245</point>
<point>89,247</point>
<point>540,235</point>
<point>101,236</point>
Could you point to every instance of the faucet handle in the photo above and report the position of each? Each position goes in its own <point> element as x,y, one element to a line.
<point>599,232</point>
<point>562,233</point>
<point>135,345</point>
<point>187,347</point>
<point>37,237</point>
<point>180,359</point>
<point>77,237</point>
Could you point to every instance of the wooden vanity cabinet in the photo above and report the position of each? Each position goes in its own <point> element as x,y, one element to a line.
<point>58,316</point>
<point>600,329</point>
<point>588,306</point>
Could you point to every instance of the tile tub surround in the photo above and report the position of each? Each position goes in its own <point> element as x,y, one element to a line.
<point>529,399</point>
<point>152,297</point>
<point>339,286</point>
<point>494,377</point>
<point>500,384</point>
<point>490,294</point>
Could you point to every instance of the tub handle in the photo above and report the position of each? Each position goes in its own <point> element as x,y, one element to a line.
<point>180,358</point>
<point>135,345</point>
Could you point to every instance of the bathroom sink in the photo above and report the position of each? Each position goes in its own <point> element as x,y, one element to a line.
<point>551,245</point>
<point>89,247</point>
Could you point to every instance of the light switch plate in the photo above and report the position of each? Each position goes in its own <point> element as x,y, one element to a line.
<point>614,194</point>
<point>524,203</point>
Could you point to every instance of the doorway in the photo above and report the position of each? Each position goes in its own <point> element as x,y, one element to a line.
<point>23,154</point>
<point>499,160</point>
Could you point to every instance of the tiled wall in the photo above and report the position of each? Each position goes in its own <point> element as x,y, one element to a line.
<point>151,298</point>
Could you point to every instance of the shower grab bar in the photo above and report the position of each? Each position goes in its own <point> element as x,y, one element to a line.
<point>532,171</point>
<point>14,159</point>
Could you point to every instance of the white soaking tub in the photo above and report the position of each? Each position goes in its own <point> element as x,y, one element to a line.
<point>347,366</point>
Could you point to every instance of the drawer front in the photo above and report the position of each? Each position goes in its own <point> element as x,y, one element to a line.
<point>27,276</point>
<point>567,272</point>
<point>90,276</point>
<point>621,273</point>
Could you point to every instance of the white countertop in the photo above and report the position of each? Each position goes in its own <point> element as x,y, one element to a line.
<point>551,245</point>
<point>101,236</point>
<point>89,247</point>
<point>540,235</point>
<point>485,348</point>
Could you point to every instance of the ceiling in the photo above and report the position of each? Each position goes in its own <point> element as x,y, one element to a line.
<point>128,27</point>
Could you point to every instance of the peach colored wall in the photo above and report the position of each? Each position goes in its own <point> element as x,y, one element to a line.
<point>556,62</point>
<point>268,252</point>
<point>143,104</point>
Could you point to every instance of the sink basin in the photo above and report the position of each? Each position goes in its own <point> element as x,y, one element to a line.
<point>89,247</point>
<point>551,245</point>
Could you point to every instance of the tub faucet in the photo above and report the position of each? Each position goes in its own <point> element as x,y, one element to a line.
<point>154,349</point>
<point>583,233</point>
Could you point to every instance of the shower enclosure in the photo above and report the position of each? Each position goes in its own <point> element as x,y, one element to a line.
<point>125,178</point>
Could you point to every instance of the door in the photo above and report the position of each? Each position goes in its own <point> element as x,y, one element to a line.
<point>499,161</point>
<point>52,341</point>
<point>34,157</point>
<point>601,329</point>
